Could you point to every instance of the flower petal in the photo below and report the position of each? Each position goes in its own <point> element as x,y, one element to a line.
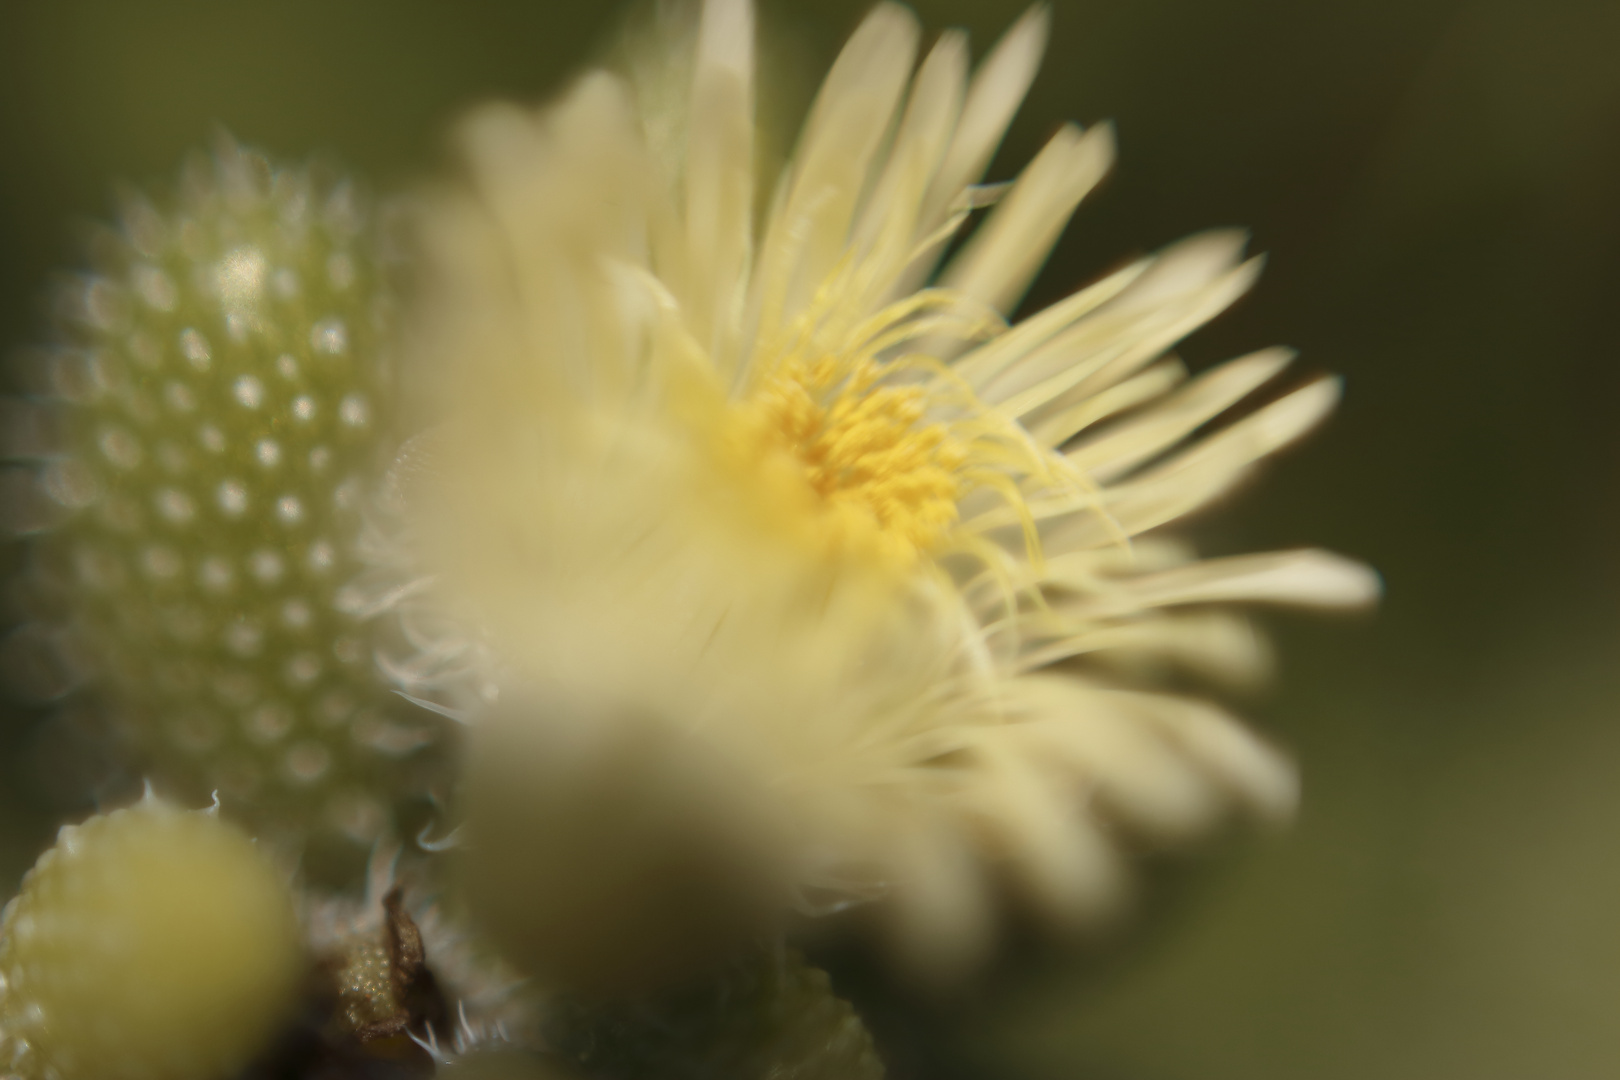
<point>891,221</point>
<point>1040,824</point>
<point>1183,289</point>
<point>720,175</point>
<point>815,202</point>
<point>1180,485</point>
<point>1121,448</point>
<point>1140,777</point>
<point>998,88</point>
<point>1004,255</point>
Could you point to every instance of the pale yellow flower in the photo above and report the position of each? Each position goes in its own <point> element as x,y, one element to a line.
<point>779,482</point>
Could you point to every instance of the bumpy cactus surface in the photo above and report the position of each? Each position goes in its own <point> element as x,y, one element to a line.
<point>221,411</point>
<point>772,1017</point>
<point>151,943</point>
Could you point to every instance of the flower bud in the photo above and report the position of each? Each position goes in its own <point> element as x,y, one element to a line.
<point>149,942</point>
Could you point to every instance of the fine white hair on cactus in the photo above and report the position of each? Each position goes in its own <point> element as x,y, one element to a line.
<point>487,996</point>
<point>801,498</point>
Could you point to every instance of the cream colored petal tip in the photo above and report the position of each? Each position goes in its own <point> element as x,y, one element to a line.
<point>997,90</point>
<point>726,35</point>
<point>1315,578</point>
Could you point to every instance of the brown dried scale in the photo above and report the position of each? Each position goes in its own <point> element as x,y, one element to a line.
<point>395,967</point>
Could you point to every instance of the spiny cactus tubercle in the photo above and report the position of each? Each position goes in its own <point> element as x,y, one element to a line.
<point>223,408</point>
<point>151,942</point>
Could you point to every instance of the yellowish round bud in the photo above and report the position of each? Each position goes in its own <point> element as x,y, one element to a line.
<point>151,943</point>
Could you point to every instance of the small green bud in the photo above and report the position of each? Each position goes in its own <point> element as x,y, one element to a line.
<point>149,944</point>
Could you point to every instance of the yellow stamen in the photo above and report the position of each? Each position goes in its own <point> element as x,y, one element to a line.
<point>884,477</point>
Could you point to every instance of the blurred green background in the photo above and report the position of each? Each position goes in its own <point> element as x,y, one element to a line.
<point>1438,185</point>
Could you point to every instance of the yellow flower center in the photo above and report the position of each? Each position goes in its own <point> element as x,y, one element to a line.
<point>885,480</point>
